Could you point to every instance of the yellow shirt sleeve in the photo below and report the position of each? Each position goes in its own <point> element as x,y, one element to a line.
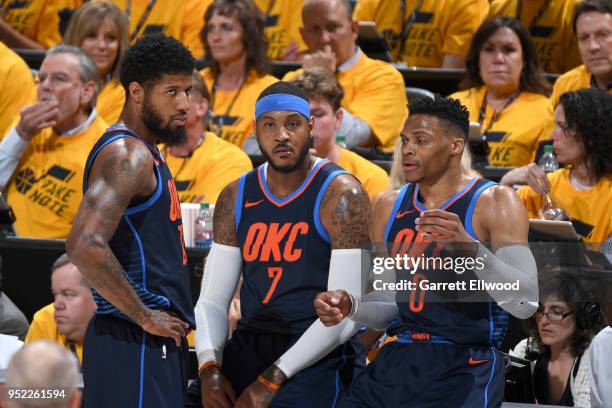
<point>374,179</point>
<point>467,16</point>
<point>374,91</point>
<point>282,26</point>
<point>192,25</point>
<point>110,102</point>
<point>17,88</point>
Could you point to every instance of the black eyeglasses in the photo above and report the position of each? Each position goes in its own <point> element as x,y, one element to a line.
<point>553,315</point>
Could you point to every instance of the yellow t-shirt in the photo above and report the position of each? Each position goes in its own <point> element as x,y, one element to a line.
<point>193,23</point>
<point>236,109</point>
<point>552,32</point>
<point>514,137</point>
<point>179,19</point>
<point>589,210</point>
<point>282,25</point>
<point>39,20</point>
<point>374,91</point>
<point>17,88</point>
<point>212,165</point>
<point>374,179</point>
<point>43,327</point>
<point>47,186</point>
<point>440,27</point>
<point>110,101</point>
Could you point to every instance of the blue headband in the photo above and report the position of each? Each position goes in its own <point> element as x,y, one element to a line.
<point>282,102</point>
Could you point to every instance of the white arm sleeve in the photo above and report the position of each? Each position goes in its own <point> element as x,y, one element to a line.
<point>356,130</point>
<point>11,149</point>
<point>375,310</point>
<point>507,265</point>
<point>221,275</point>
<point>345,272</point>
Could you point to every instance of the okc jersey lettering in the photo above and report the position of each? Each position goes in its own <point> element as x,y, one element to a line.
<point>264,241</point>
<point>285,250</point>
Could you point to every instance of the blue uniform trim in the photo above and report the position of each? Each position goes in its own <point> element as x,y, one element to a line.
<point>317,207</point>
<point>338,376</point>
<point>238,204</point>
<point>142,356</point>
<point>472,205</point>
<point>486,394</point>
<point>448,202</point>
<point>396,206</point>
<point>149,201</point>
<point>143,264</point>
<point>491,328</point>
<point>297,191</point>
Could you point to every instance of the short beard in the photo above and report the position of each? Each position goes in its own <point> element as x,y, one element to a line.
<point>302,156</point>
<point>165,134</point>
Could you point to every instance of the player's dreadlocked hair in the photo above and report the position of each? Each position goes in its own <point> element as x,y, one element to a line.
<point>445,109</point>
<point>153,56</point>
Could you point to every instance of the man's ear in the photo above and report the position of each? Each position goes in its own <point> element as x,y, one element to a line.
<point>89,89</point>
<point>339,116</point>
<point>457,145</point>
<point>311,125</point>
<point>136,92</point>
<point>202,108</point>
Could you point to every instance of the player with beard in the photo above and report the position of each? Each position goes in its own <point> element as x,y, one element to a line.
<point>293,226</point>
<point>127,239</point>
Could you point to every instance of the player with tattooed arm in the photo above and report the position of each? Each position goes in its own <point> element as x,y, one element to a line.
<point>127,239</point>
<point>292,227</point>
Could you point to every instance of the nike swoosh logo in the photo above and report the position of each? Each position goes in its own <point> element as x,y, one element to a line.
<point>472,361</point>
<point>249,204</point>
<point>400,214</point>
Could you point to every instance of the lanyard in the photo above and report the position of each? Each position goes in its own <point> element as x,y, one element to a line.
<point>218,127</point>
<point>184,159</point>
<point>483,111</point>
<point>538,15</point>
<point>406,24</point>
<point>269,9</point>
<point>143,17</point>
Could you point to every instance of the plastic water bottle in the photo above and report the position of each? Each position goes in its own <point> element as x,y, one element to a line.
<point>341,141</point>
<point>550,210</point>
<point>203,232</point>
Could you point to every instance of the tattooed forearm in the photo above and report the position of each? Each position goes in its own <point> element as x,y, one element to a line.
<point>224,224</point>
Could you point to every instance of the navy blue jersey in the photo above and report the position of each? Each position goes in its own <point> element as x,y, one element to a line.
<point>148,241</point>
<point>285,250</point>
<point>469,323</point>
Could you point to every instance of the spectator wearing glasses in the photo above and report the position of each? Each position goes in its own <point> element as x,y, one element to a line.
<point>560,333</point>
<point>43,156</point>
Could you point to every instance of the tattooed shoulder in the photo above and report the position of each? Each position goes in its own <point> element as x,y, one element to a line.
<point>346,212</point>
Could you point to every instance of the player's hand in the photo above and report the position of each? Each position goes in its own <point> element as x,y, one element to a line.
<point>36,117</point>
<point>530,174</point>
<point>216,390</point>
<point>256,395</point>
<point>324,58</point>
<point>163,324</point>
<point>443,226</point>
<point>332,307</point>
